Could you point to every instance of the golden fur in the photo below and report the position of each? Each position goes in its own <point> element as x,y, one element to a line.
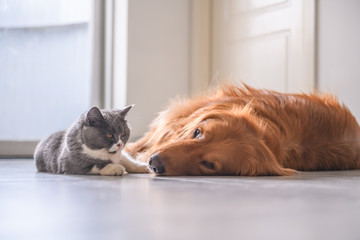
<point>245,131</point>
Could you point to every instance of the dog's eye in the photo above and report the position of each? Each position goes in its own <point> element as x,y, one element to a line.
<point>209,165</point>
<point>196,133</point>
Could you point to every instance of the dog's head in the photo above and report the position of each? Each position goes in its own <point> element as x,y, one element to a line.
<point>217,142</point>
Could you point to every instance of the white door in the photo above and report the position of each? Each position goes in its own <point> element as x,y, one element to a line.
<point>264,43</point>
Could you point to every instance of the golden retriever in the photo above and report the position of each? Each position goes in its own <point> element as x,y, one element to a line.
<point>249,132</point>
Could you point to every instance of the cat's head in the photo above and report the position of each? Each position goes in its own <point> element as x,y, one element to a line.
<point>105,129</point>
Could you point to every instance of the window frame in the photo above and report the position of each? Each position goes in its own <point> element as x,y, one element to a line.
<point>101,32</point>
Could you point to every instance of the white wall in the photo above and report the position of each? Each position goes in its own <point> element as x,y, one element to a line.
<point>339,50</point>
<point>158,64</point>
<point>158,57</point>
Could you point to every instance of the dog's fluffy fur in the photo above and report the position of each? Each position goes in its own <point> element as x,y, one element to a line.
<point>245,131</point>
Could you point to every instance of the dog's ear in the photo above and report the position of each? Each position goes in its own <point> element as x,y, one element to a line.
<point>260,161</point>
<point>267,163</point>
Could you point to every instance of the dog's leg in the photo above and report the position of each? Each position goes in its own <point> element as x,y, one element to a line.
<point>131,165</point>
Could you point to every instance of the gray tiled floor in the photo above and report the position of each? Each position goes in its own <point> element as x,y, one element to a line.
<point>313,205</point>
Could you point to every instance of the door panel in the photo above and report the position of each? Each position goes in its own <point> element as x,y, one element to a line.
<point>264,43</point>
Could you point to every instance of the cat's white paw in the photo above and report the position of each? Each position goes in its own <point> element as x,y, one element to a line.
<point>113,170</point>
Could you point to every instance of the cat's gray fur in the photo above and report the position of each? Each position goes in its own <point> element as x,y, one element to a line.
<point>86,148</point>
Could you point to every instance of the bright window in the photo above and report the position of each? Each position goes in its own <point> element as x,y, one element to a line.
<point>45,66</point>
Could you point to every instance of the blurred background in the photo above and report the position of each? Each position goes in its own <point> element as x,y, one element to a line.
<point>60,57</point>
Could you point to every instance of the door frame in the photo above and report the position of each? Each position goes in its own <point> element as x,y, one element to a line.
<point>200,45</point>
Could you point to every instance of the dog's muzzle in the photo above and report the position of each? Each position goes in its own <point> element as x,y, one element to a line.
<point>156,164</point>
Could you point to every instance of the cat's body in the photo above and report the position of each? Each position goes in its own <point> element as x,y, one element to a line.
<point>92,145</point>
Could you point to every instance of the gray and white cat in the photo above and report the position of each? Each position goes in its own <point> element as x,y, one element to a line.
<point>92,145</point>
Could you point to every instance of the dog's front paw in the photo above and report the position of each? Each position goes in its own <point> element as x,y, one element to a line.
<point>112,170</point>
<point>140,168</point>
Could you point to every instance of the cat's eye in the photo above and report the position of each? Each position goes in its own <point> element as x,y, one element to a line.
<point>108,135</point>
<point>123,134</point>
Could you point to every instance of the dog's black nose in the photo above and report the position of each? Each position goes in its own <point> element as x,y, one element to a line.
<point>156,164</point>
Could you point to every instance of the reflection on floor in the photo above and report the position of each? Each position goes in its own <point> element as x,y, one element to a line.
<point>312,205</point>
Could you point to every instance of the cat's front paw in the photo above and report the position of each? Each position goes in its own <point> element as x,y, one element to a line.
<point>112,170</point>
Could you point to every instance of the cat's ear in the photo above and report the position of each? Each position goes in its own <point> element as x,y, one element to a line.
<point>94,117</point>
<point>125,110</point>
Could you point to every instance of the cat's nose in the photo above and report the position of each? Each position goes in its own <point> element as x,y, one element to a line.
<point>119,145</point>
<point>156,164</point>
